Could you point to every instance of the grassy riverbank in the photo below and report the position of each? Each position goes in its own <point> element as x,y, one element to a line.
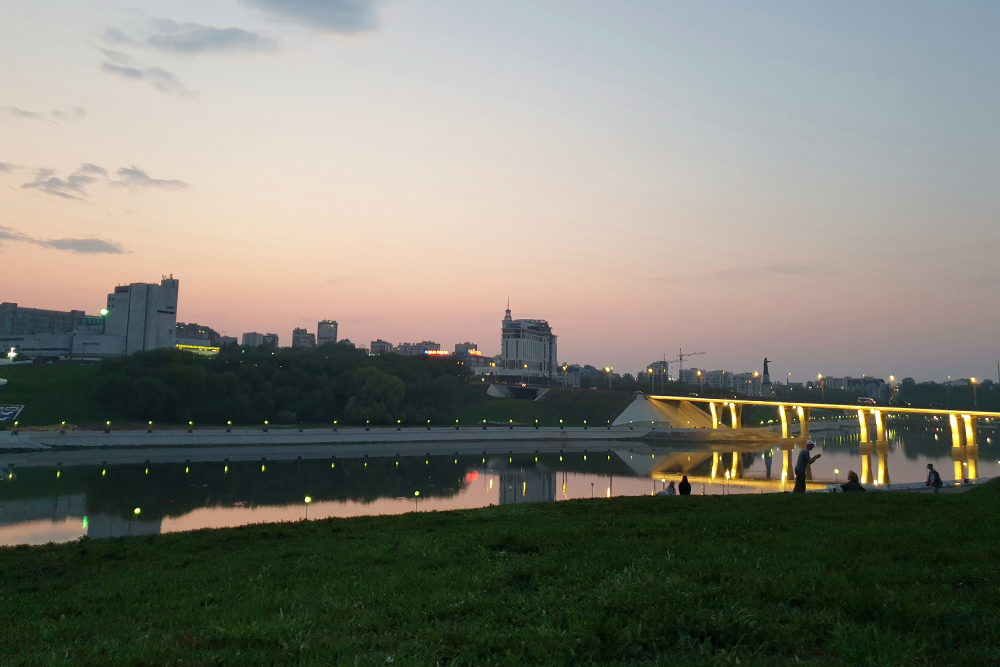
<point>866,579</point>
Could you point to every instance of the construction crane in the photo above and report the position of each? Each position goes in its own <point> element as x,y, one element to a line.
<point>681,356</point>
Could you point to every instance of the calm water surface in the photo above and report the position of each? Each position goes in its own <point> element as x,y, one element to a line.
<point>57,504</point>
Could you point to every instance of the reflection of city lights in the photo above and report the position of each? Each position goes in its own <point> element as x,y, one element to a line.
<point>491,484</point>
<point>471,476</point>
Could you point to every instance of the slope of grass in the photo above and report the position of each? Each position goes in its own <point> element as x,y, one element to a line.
<point>854,579</point>
<point>573,406</point>
<point>52,393</point>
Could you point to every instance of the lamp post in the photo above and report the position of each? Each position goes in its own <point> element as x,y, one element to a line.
<point>607,370</point>
<point>701,384</point>
<point>822,386</point>
<point>652,389</point>
<point>975,400</point>
<point>308,500</point>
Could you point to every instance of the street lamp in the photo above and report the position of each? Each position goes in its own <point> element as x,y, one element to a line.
<point>608,369</point>
<point>701,384</point>
<point>822,386</point>
<point>651,388</point>
<point>308,500</point>
<point>12,354</point>
<point>975,401</point>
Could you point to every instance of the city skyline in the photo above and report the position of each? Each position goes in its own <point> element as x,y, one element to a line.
<point>813,184</point>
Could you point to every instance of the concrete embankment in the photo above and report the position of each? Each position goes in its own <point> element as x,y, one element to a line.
<point>42,440</point>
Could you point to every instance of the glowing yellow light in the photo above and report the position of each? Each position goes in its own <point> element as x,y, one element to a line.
<point>308,499</point>
<point>137,510</point>
<point>524,488</point>
<point>609,492</point>
<point>416,493</point>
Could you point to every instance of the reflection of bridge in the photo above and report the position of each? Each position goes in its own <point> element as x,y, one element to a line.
<point>681,412</point>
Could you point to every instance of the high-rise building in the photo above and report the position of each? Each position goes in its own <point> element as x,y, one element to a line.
<point>302,338</point>
<point>326,332</point>
<point>144,314</point>
<point>527,351</point>
<point>381,347</point>
<point>269,339</point>
<point>465,348</point>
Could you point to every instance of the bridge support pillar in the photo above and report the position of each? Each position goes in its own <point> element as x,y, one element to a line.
<point>737,471</point>
<point>803,421</point>
<point>716,409</point>
<point>882,449</point>
<point>787,473</point>
<point>784,421</point>
<point>865,449</point>
<point>863,423</point>
<point>736,412</point>
<point>957,450</point>
<point>879,426</point>
<point>971,447</point>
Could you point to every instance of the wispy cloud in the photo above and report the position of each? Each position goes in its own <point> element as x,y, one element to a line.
<point>345,16</point>
<point>87,246</point>
<point>133,177</point>
<point>70,187</point>
<point>125,66</point>
<point>173,37</point>
<point>74,185</point>
<point>76,113</point>
<point>21,113</point>
<point>7,167</point>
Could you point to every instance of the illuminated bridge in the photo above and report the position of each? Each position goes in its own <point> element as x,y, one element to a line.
<point>683,413</point>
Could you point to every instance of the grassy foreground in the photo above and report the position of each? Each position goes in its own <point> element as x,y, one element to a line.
<point>858,579</point>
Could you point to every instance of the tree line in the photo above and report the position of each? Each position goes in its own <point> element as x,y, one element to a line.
<point>284,386</point>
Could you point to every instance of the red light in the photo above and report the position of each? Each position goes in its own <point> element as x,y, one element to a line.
<point>471,476</point>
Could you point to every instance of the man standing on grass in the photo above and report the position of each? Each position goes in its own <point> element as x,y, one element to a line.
<point>802,464</point>
<point>933,478</point>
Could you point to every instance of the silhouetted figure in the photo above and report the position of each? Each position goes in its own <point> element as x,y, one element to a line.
<point>685,486</point>
<point>933,478</point>
<point>852,483</point>
<point>802,465</point>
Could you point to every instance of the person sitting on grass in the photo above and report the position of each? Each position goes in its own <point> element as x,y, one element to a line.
<point>685,486</point>
<point>802,465</point>
<point>852,483</point>
<point>933,478</point>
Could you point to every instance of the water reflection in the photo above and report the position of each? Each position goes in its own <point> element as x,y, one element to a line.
<point>44,502</point>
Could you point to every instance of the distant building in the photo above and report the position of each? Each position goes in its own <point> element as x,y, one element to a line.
<point>326,332</point>
<point>413,349</point>
<point>254,339</point>
<point>863,386</point>
<point>302,338</point>
<point>139,316</point>
<point>144,314</point>
<point>196,338</point>
<point>748,384</point>
<point>465,348</point>
<point>227,340</point>
<point>528,351</point>
<point>381,347</point>
<point>18,321</point>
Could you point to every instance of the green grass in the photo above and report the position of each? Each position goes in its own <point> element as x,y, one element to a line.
<point>859,579</point>
<point>52,393</point>
<point>573,406</point>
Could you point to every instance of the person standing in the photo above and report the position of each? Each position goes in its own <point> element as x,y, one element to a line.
<point>933,478</point>
<point>802,464</point>
<point>685,486</point>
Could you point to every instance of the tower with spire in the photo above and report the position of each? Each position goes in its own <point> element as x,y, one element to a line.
<point>506,316</point>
